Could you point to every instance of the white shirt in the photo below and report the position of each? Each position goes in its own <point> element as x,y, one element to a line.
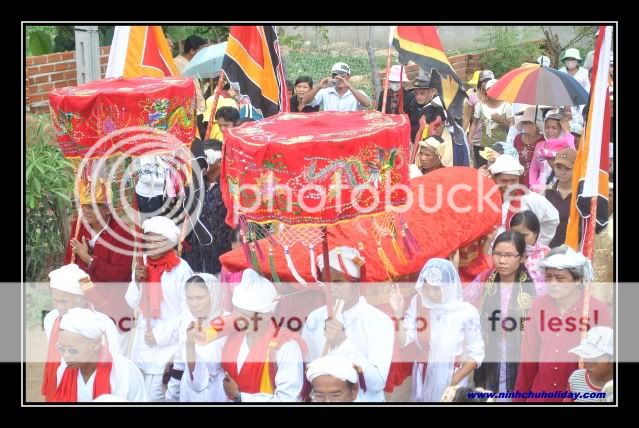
<point>369,344</point>
<point>127,382</point>
<point>289,378</point>
<point>152,360</point>
<point>485,113</point>
<point>331,101</point>
<point>546,213</point>
<point>208,375</point>
<point>581,76</point>
<point>110,329</point>
<point>151,181</point>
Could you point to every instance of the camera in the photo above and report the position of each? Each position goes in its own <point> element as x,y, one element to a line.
<point>332,82</point>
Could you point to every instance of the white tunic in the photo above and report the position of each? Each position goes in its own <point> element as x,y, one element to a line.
<point>206,385</point>
<point>289,378</point>
<point>460,328</point>
<point>127,382</point>
<point>369,344</point>
<point>111,331</point>
<point>152,360</point>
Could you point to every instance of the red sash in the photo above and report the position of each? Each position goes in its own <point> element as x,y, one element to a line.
<point>153,285</point>
<point>49,379</point>
<point>67,391</point>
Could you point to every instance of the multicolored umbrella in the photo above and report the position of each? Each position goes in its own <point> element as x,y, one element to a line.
<point>536,85</point>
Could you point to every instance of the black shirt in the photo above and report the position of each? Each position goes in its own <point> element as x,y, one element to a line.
<point>295,105</point>
<point>563,206</point>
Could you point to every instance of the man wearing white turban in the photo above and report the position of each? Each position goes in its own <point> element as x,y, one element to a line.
<point>359,331</point>
<point>333,379</point>
<point>556,321</point>
<point>91,370</point>
<point>506,171</point>
<point>67,293</point>
<point>249,353</point>
<point>157,290</point>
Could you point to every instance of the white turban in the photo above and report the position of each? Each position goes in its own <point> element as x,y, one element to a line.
<point>255,293</point>
<point>570,260</point>
<point>433,144</point>
<point>212,156</point>
<point>350,256</point>
<point>84,322</point>
<point>332,365</point>
<point>506,164</point>
<point>67,278</point>
<point>162,226</point>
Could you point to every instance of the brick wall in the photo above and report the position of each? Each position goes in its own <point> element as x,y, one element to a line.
<point>47,72</point>
<point>464,65</point>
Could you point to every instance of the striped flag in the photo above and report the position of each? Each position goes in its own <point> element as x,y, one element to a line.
<point>590,173</point>
<point>253,63</point>
<point>421,45</point>
<point>140,51</point>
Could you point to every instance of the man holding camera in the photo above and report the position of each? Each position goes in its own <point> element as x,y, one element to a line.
<point>335,93</point>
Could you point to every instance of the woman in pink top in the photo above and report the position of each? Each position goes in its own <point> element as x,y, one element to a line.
<point>558,136</point>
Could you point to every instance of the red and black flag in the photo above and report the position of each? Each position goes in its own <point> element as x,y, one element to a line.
<point>253,63</point>
<point>421,45</point>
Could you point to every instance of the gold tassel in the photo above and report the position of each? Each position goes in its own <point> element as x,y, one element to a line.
<point>398,250</point>
<point>390,269</point>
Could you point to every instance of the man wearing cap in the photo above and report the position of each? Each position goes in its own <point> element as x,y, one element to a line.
<point>192,45</point>
<point>506,172</point>
<point>157,290</point>
<point>262,362</point>
<point>66,285</point>
<point>424,95</point>
<point>396,78</point>
<point>91,370</point>
<point>597,350</point>
<point>103,249</point>
<point>359,331</point>
<point>556,322</point>
<point>333,379</point>
<point>335,93</point>
<point>571,60</point>
<point>560,193</point>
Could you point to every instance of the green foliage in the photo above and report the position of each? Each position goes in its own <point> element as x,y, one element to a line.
<point>506,49</point>
<point>214,33</point>
<point>65,39</point>
<point>40,43</point>
<point>49,184</point>
<point>37,300</point>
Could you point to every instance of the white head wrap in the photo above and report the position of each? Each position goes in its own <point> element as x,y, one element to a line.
<point>433,144</point>
<point>506,164</point>
<point>212,156</point>
<point>349,256</point>
<point>84,322</point>
<point>67,278</point>
<point>255,293</point>
<point>162,226</point>
<point>441,273</point>
<point>215,290</point>
<point>569,260</point>
<point>332,365</point>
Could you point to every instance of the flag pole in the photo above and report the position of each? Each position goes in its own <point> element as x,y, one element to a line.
<point>388,60</point>
<point>218,89</point>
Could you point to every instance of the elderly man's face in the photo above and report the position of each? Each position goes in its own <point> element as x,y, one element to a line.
<point>424,95</point>
<point>95,216</point>
<point>157,245</point>
<point>63,301</point>
<point>77,349</point>
<point>329,389</point>
<point>506,181</point>
<point>428,159</point>
<point>560,283</point>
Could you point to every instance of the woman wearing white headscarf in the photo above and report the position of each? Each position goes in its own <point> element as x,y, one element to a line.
<point>203,381</point>
<point>446,329</point>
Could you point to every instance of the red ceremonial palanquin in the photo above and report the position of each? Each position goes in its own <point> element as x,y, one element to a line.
<point>315,155</point>
<point>157,108</point>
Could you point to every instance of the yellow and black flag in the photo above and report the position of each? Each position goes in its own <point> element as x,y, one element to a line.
<point>253,63</point>
<point>421,45</point>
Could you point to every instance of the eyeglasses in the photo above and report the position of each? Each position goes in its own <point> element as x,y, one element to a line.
<point>333,397</point>
<point>507,256</point>
<point>67,350</point>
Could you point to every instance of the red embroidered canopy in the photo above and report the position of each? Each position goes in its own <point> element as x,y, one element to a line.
<point>153,110</point>
<point>333,166</point>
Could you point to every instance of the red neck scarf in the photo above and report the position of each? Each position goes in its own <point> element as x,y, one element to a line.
<point>67,391</point>
<point>49,379</point>
<point>153,287</point>
<point>250,376</point>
